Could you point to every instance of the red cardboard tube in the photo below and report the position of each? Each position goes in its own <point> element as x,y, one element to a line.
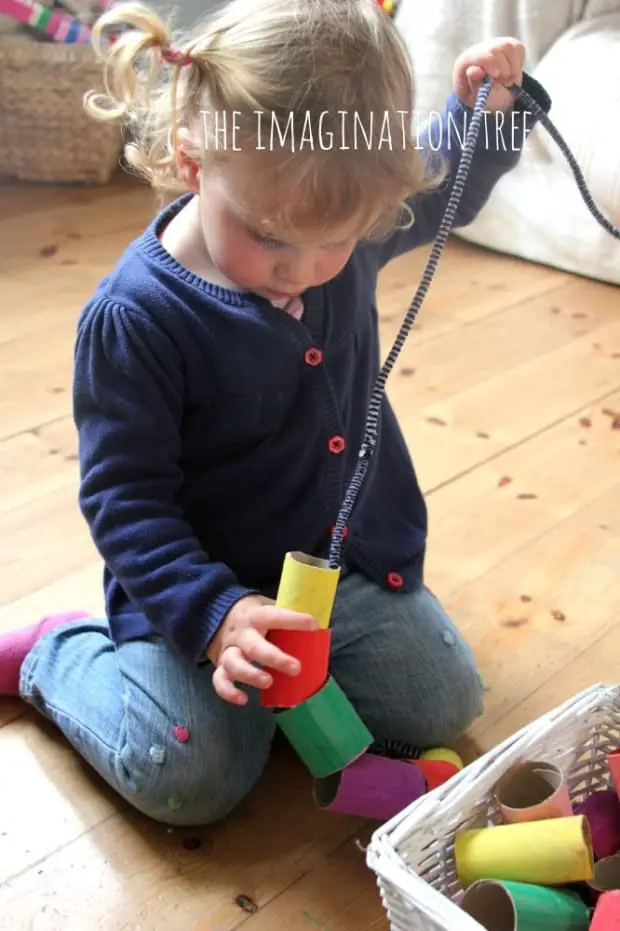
<point>435,772</point>
<point>311,648</point>
<point>607,913</point>
<point>613,762</point>
<point>371,787</point>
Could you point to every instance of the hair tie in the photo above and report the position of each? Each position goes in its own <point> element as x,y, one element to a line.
<point>175,57</point>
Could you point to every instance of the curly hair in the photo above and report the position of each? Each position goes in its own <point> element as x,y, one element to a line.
<point>282,62</point>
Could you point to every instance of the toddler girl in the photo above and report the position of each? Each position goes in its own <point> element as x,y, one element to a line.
<point>222,375</point>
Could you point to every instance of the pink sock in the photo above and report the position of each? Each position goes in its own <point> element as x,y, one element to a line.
<point>15,646</point>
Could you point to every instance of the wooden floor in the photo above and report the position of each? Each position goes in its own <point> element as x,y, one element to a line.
<point>509,393</point>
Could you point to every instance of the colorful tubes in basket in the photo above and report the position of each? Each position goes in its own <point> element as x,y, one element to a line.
<point>533,791</point>
<point>513,906</point>
<point>57,24</point>
<point>607,913</point>
<point>371,787</point>
<point>553,852</point>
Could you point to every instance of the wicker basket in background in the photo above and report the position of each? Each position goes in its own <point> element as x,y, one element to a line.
<point>44,133</point>
<point>413,854</point>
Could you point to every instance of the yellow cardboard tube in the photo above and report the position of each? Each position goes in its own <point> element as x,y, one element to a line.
<point>308,585</point>
<point>546,853</point>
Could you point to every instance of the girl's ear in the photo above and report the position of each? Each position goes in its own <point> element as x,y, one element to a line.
<point>187,163</point>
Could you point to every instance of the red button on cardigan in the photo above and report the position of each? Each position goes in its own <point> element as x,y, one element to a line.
<point>336,445</point>
<point>345,531</point>
<point>313,356</point>
<point>395,580</point>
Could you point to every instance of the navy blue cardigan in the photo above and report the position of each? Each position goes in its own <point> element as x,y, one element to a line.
<point>216,432</point>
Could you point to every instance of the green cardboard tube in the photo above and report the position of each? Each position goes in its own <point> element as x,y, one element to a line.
<point>325,731</point>
<point>508,906</point>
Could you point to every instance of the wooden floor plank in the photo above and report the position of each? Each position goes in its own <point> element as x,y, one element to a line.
<point>128,872</point>
<point>485,349</point>
<point>10,709</point>
<point>41,541</point>
<point>35,380</point>
<point>515,498</point>
<point>68,591</point>
<point>470,283</point>
<point>599,662</point>
<point>36,463</point>
<point>25,199</point>
<point>49,774</point>
<point>479,423</point>
<point>536,611</point>
<point>338,896</point>
<point>25,243</point>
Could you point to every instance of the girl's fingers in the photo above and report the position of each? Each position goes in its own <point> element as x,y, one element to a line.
<point>283,619</point>
<point>225,688</point>
<point>258,650</point>
<point>475,74</point>
<point>239,669</point>
<point>516,57</point>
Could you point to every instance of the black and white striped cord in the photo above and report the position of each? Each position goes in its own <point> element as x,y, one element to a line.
<point>371,432</point>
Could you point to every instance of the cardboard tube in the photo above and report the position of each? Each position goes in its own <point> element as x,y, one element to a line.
<point>444,755</point>
<point>326,731</point>
<point>308,585</point>
<point>436,772</point>
<point>613,762</point>
<point>607,913</point>
<point>606,877</point>
<point>546,853</point>
<point>508,906</point>
<point>533,792</point>
<point>602,809</point>
<point>371,787</point>
<point>311,648</point>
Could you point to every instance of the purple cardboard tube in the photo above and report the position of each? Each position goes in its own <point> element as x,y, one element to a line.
<point>373,787</point>
<point>602,809</point>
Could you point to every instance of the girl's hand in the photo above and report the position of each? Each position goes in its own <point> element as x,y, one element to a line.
<point>241,641</point>
<point>502,59</point>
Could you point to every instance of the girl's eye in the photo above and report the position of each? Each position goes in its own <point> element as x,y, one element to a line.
<point>267,242</point>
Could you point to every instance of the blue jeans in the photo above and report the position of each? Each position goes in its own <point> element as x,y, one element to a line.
<point>152,726</point>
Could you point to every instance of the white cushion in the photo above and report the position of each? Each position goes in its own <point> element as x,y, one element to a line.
<point>536,211</point>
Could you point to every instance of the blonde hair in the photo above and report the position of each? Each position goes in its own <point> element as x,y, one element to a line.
<point>284,58</point>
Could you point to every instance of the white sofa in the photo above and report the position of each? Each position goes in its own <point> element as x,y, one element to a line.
<point>573,48</point>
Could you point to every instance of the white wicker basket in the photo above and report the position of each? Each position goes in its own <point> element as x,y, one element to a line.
<point>413,854</point>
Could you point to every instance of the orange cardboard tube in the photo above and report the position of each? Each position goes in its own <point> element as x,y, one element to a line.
<point>533,791</point>
<point>613,761</point>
